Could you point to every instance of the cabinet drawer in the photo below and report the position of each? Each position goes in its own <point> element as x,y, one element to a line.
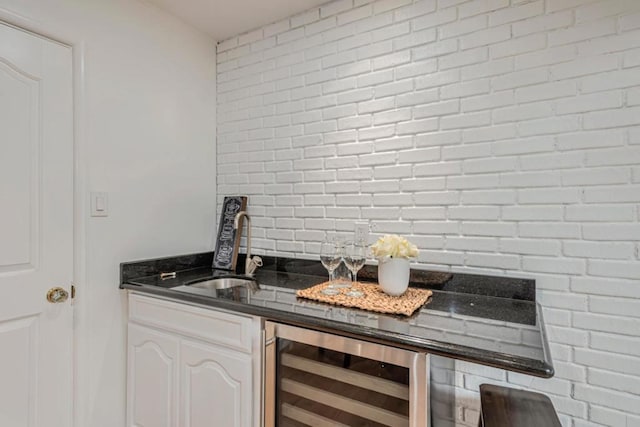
<point>230,330</point>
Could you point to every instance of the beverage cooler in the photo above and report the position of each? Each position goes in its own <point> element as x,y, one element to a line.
<point>318,379</point>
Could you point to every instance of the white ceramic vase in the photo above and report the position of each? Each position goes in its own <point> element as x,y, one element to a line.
<point>393,275</point>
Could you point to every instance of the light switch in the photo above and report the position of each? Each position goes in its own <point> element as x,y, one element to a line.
<point>99,204</point>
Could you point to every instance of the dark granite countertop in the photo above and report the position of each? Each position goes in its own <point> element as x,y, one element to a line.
<point>489,320</point>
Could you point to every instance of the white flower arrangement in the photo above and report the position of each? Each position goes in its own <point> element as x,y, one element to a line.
<point>393,246</point>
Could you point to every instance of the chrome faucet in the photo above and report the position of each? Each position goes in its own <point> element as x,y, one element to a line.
<point>250,264</point>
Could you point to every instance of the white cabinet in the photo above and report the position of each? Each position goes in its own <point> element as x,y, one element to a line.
<point>190,366</point>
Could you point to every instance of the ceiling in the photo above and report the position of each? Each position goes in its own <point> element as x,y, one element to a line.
<point>223,19</point>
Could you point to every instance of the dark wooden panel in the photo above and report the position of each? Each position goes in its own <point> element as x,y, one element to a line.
<point>508,407</point>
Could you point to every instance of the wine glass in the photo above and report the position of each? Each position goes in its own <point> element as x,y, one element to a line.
<point>330,257</point>
<point>355,258</point>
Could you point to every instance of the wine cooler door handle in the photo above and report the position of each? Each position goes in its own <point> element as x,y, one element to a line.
<point>269,375</point>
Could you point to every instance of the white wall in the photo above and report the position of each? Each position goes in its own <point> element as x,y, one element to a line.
<point>145,105</point>
<point>500,136</point>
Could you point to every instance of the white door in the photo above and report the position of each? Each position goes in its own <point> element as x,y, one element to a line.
<point>36,230</point>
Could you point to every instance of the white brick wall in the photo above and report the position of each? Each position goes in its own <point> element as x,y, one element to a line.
<point>501,136</point>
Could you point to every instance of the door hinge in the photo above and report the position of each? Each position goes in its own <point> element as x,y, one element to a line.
<point>73,291</point>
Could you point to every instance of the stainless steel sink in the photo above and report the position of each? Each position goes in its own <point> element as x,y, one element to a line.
<point>233,288</point>
<point>225,283</point>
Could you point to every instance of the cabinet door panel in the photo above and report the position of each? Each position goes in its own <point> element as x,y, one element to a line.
<point>216,386</point>
<point>151,378</point>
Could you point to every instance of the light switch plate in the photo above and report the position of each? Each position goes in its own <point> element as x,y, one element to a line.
<point>99,204</point>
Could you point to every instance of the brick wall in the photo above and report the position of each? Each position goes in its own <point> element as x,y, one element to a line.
<point>499,136</point>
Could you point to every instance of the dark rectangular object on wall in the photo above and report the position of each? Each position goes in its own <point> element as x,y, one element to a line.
<point>228,240</point>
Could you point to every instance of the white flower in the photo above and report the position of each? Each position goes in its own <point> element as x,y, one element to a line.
<point>394,246</point>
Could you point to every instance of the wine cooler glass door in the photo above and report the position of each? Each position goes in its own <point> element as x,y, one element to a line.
<point>322,379</point>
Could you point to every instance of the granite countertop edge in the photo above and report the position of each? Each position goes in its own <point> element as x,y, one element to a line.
<point>490,358</point>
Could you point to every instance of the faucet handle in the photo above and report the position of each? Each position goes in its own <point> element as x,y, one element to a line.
<point>252,265</point>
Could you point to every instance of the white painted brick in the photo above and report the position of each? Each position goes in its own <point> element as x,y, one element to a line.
<point>227,45</point>
<point>374,50</point>
<point>392,172</point>
<point>414,39</point>
<point>549,230</point>
<point>490,133</point>
<point>485,244</point>
<point>437,169</point>
<point>434,19</point>
<point>522,112</point>
<point>422,213</point>
<point>485,37</point>
<point>380,213</point>
<point>532,213</point>
<point>391,60</point>
<point>435,227</point>
<point>518,46</point>
<point>543,23</point>
<point>616,343</point>
<point>530,179</point>
<point>380,186</point>
<point>612,399</point>
<point>355,14</point>
<point>489,229</point>
<point>304,18</point>
<point>376,132</point>
<point>419,155</point>
<point>460,90</point>
<point>484,102</point>
<point>392,116</point>
<point>509,262</point>
<point>546,91</point>
<point>391,199</point>
<point>549,56</point>
<point>465,120</point>
<point>490,165</point>
<point>530,246</point>
<point>519,79</point>
<point>420,7</point>
<point>459,59</point>
<point>544,183</point>
<point>417,126</point>
<point>433,50</point>
<point>415,69</point>
<point>620,269</point>
<point>472,182</point>
<point>492,197</point>
<point>552,125</point>
<point>360,174</point>
<point>603,9</point>
<point>394,88</point>
<point>438,139</point>
<point>334,86</point>
<point>607,44</point>
<point>461,27</point>
<point>422,184</point>
<point>517,13</point>
<point>554,160</point>
<point>466,151</point>
<point>554,265</point>
<point>379,105</point>
<point>614,156</point>
<point>478,7</point>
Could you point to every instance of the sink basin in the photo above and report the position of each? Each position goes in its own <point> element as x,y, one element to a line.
<point>225,283</point>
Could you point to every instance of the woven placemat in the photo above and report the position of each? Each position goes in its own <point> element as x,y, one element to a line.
<point>373,298</point>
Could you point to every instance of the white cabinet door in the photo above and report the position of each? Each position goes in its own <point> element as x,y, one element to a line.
<point>216,386</point>
<point>191,366</point>
<point>152,377</point>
